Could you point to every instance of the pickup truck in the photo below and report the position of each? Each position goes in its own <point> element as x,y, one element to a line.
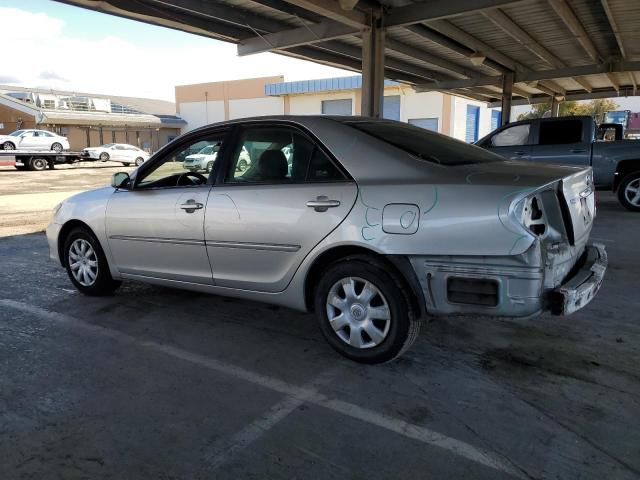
<point>574,141</point>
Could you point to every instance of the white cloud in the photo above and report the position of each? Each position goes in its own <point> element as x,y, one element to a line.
<point>113,65</point>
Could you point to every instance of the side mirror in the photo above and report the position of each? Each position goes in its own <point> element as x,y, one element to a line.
<point>120,180</point>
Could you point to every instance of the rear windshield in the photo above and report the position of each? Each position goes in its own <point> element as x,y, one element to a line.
<point>425,145</point>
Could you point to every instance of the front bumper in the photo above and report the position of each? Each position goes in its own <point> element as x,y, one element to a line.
<point>53,233</point>
<point>583,285</point>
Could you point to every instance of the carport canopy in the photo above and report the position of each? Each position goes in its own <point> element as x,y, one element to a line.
<point>501,52</point>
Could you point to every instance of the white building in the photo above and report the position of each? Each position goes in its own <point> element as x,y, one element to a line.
<point>206,103</point>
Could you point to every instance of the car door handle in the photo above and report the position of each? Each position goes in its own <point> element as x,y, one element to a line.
<point>191,206</point>
<point>322,204</point>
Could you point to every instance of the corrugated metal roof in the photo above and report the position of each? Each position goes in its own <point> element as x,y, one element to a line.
<point>545,29</point>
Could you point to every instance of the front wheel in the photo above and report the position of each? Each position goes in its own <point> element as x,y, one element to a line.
<point>87,265</point>
<point>8,146</point>
<point>363,313</point>
<point>56,147</point>
<point>629,192</point>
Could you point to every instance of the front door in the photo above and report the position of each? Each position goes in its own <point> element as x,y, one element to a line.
<point>264,220</point>
<point>512,142</point>
<point>29,140</point>
<point>156,228</point>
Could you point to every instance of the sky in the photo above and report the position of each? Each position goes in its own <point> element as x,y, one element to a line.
<point>51,45</point>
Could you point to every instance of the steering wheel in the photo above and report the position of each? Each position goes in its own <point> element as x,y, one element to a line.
<point>198,179</point>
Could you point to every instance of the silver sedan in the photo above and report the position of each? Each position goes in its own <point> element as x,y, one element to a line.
<point>372,224</point>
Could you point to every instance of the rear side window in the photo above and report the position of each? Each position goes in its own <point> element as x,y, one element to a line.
<point>423,144</point>
<point>559,132</point>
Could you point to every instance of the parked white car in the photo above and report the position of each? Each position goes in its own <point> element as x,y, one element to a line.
<point>204,159</point>
<point>117,152</point>
<point>34,140</point>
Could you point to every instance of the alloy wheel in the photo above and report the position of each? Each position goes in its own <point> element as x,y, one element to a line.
<point>83,262</point>
<point>358,312</point>
<point>632,192</point>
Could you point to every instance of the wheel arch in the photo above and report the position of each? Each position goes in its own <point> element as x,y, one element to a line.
<point>624,168</point>
<point>398,265</point>
<point>66,229</point>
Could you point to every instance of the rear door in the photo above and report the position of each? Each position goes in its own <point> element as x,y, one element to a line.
<point>512,142</point>
<point>564,141</point>
<point>262,221</point>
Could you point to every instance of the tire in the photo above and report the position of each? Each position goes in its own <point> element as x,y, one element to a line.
<point>57,147</point>
<point>100,282</point>
<point>626,194</point>
<point>393,336</point>
<point>139,161</point>
<point>242,165</point>
<point>104,157</point>
<point>209,167</point>
<point>8,146</point>
<point>126,164</point>
<point>38,164</point>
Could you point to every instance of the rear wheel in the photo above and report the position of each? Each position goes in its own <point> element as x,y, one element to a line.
<point>56,147</point>
<point>37,164</point>
<point>139,161</point>
<point>86,264</point>
<point>629,192</point>
<point>209,166</point>
<point>104,156</point>
<point>363,313</point>
<point>8,146</point>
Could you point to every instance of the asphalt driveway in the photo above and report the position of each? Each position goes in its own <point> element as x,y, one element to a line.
<point>165,384</point>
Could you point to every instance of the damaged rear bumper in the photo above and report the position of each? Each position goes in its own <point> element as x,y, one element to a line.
<point>583,285</point>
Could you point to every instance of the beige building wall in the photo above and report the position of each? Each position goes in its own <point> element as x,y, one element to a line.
<point>460,118</point>
<point>205,103</point>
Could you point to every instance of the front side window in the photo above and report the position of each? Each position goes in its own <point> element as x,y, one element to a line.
<point>560,131</point>
<point>184,166</point>
<point>279,155</point>
<point>424,145</point>
<point>512,136</point>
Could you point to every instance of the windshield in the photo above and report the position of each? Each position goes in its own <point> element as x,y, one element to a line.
<point>423,144</point>
<point>16,133</point>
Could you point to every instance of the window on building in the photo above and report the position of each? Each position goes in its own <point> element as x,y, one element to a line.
<point>472,124</point>
<point>557,132</point>
<point>337,107</point>
<point>496,117</point>
<point>391,107</point>
<point>426,123</point>
<point>49,104</point>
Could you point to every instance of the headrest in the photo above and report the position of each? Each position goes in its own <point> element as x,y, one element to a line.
<point>273,165</point>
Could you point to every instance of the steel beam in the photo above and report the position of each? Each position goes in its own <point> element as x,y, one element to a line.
<point>535,75</point>
<point>574,25</point>
<point>451,31</point>
<point>373,70</point>
<point>332,11</point>
<point>502,21</point>
<point>436,9</point>
<point>307,34</point>
<point>424,56</point>
<point>614,28</point>
<point>608,93</point>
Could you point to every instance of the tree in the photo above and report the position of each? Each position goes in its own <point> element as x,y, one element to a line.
<point>593,108</point>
